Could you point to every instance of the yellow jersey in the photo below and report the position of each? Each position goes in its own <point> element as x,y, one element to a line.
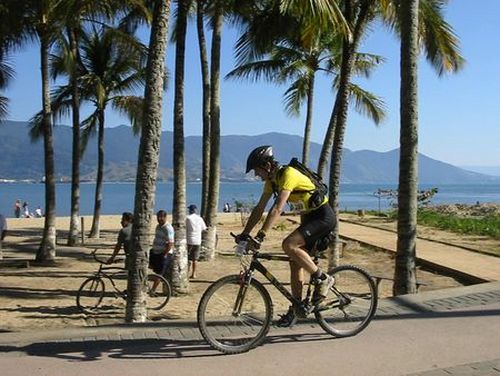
<point>301,187</point>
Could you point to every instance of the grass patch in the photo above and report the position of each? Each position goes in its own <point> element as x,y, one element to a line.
<point>485,226</point>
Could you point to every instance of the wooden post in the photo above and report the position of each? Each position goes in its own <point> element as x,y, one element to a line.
<point>82,232</point>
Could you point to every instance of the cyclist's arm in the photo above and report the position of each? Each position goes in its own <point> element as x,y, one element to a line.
<point>117,248</point>
<point>257,212</point>
<point>276,210</point>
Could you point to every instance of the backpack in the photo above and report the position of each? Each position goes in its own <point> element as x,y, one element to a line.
<point>321,189</point>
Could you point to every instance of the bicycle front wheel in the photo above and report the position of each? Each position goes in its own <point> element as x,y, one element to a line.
<point>233,316</point>
<point>159,292</point>
<point>90,295</point>
<point>351,303</point>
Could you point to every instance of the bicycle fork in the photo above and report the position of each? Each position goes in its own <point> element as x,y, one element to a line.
<point>245,278</point>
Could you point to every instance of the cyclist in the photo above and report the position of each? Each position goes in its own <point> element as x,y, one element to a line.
<point>317,220</point>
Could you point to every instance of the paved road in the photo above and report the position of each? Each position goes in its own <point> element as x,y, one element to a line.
<point>447,332</point>
<point>476,265</point>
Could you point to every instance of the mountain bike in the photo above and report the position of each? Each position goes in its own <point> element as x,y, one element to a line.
<point>235,312</point>
<point>92,291</point>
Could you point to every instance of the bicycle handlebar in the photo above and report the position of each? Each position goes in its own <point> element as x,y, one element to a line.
<point>103,262</point>
<point>252,244</point>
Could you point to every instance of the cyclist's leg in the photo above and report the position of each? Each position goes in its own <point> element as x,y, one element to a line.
<point>314,226</point>
<point>296,279</point>
<point>299,260</point>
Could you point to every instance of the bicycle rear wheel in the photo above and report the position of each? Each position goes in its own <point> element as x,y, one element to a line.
<point>90,294</point>
<point>235,317</point>
<point>351,303</point>
<point>159,292</point>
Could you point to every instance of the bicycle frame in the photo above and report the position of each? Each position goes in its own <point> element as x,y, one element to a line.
<point>257,265</point>
<point>304,304</point>
<point>101,273</point>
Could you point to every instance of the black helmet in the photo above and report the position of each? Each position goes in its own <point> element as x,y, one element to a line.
<point>259,156</point>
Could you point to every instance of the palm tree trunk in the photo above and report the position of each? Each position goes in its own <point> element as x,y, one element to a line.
<point>405,271</point>
<point>180,281</point>
<point>205,77</point>
<point>47,250</point>
<point>75,158</point>
<point>328,142</point>
<point>95,230</point>
<point>342,104</point>
<point>359,18</point>
<point>147,166</point>
<point>307,128</point>
<point>209,239</point>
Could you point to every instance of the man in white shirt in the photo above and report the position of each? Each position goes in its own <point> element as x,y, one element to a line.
<point>160,255</point>
<point>195,225</point>
<point>3,232</point>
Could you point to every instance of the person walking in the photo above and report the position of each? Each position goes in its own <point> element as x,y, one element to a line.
<point>195,225</point>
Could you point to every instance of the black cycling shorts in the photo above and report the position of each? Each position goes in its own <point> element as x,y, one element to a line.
<point>316,224</point>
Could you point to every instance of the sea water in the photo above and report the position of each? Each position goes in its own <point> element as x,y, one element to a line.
<point>119,197</point>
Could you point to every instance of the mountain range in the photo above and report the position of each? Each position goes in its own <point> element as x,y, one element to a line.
<point>21,159</point>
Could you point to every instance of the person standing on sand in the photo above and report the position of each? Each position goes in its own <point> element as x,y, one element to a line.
<point>17,209</point>
<point>3,232</point>
<point>26,210</point>
<point>161,254</point>
<point>195,225</point>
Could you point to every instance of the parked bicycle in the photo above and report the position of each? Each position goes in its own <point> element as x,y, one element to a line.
<point>92,292</point>
<point>235,312</point>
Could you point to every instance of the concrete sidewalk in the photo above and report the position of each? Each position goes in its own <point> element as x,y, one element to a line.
<point>444,305</point>
<point>471,265</point>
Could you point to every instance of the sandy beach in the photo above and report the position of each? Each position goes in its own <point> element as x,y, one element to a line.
<point>44,297</point>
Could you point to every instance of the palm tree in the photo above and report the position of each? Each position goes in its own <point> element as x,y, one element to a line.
<point>147,166</point>
<point>23,21</point>
<point>180,281</point>
<point>43,19</point>
<point>76,11</point>
<point>205,77</point>
<point>209,238</point>
<point>405,270</point>
<point>441,48</point>
<point>112,64</point>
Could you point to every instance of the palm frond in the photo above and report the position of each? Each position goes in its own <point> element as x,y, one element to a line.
<point>295,96</point>
<point>264,69</point>
<point>89,129</point>
<point>6,71</point>
<point>322,14</point>
<point>364,64</point>
<point>441,43</point>
<point>36,127</point>
<point>367,103</point>
<point>133,108</point>
<point>4,105</point>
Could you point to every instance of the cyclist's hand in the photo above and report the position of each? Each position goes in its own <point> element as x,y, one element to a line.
<point>261,235</point>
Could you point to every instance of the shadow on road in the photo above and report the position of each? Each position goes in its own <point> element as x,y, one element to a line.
<point>141,348</point>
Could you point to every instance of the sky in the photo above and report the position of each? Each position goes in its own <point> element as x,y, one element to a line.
<point>459,114</point>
